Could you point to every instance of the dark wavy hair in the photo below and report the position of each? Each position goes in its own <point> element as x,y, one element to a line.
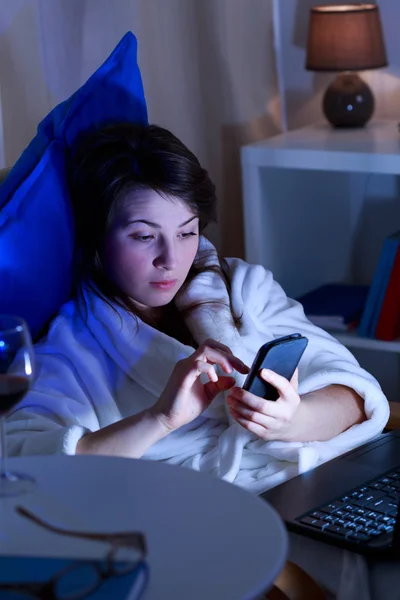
<point>115,160</point>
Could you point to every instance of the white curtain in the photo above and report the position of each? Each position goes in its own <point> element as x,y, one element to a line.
<point>208,70</point>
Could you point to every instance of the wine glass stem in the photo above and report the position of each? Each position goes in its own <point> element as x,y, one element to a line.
<point>3,446</point>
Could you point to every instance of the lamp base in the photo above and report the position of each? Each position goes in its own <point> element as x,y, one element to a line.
<point>348,101</point>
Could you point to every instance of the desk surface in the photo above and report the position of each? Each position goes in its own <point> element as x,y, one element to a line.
<point>206,538</point>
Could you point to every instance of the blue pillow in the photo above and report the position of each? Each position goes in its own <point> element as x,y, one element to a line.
<point>36,227</point>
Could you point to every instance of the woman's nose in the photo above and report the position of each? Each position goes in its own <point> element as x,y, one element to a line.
<point>166,259</point>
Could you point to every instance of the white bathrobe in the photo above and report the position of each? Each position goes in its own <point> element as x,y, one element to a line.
<point>94,372</point>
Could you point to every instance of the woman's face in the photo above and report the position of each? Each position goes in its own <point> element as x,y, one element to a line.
<point>150,247</point>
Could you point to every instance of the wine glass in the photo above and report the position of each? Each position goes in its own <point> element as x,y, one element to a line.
<point>16,376</point>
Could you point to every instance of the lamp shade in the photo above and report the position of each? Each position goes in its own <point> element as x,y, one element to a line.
<point>346,37</point>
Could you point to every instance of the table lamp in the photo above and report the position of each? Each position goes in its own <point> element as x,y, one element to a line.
<point>346,38</point>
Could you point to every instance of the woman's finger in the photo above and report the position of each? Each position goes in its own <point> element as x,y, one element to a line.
<point>267,407</point>
<point>197,367</point>
<point>284,387</point>
<point>215,344</point>
<point>255,428</point>
<point>223,384</point>
<point>227,361</point>
<point>245,412</point>
<point>295,380</point>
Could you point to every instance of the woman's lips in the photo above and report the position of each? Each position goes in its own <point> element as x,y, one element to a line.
<point>164,285</point>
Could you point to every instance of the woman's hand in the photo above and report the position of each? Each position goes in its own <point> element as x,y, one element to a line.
<point>185,397</point>
<point>268,419</point>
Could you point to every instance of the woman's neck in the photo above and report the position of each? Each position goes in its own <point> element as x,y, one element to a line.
<point>173,324</point>
<point>154,315</point>
<point>168,320</point>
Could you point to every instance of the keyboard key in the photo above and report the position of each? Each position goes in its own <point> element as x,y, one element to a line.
<point>361,511</point>
<point>380,518</point>
<point>363,521</point>
<point>374,495</point>
<point>361,499</point>
<point>358,537</point>
<point>349,508</point>
<point>387,528</point>
<point>387,520</point>
<point>355,495</point>
<point>317,514</point>
<point>364,499</point>
<point>317,523</point>
<point>388,489</point>
<point>372,515</point>
<point>348,523</point>
<point>395,495</point>
<point>384,480</point>
<point>365,530</point>
<point>337,529</point>
<point>351,516</point>
<point>329,518</point>
<point>375,532</point>
<point>332,507</point>
<point>376,486</point>
<point>383,505</point>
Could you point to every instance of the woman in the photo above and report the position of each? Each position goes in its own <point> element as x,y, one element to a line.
<point>149,356</point>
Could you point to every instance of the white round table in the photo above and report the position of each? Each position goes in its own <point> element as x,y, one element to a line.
<point>206,538</point>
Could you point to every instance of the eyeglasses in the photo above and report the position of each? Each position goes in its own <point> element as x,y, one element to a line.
<point>81,578</point>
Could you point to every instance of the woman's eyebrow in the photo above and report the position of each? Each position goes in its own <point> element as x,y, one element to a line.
<point>156,225</point>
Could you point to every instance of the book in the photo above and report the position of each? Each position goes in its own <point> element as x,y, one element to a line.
<point>336,306</point>
<point>378,287</point>
<point>388,326</point>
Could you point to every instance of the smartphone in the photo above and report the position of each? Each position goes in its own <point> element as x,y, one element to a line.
<point>282,356</point>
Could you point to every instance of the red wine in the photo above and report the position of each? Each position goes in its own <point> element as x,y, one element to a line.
<point>12,389</point>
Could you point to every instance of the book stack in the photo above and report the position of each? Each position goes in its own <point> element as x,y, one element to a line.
<point>381,316</point>
<point>335,306</point>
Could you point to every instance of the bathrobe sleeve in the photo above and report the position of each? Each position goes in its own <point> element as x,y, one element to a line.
<point>325,361</point>
<point>67,399</point>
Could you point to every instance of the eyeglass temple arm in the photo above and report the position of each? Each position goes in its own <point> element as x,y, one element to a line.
<point>133,538</point>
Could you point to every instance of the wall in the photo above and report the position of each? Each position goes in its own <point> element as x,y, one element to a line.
<point>374,197</point>
<point>303,89</point>
<point>207,67</point>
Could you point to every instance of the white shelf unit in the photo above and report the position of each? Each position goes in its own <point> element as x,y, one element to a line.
<point>352,340</point>
<point>318,203</point>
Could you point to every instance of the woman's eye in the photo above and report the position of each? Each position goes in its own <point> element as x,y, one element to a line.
<point>142,238</point>
<point>187,235</point>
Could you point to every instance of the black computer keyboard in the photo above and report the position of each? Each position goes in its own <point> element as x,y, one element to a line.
<point>363,513</point>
